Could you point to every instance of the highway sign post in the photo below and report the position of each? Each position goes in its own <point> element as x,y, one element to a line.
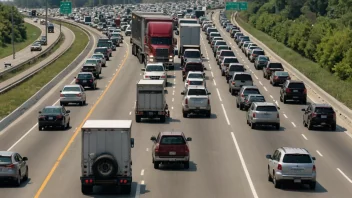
<point>236,6</point>
<point>65,7</point>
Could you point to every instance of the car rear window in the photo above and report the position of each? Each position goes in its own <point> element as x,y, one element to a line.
<point>227,53</point>
<point>195,82</point>
<point>297,158</point>
<point>266,108</point>
<point>275,65</point>
<point>194,67</point>
<point>172,140</point>
<point>197,92</point>
<point>88,67</point>
<point>281,73</point>
<point>221,43</point>
<point>231,60</point>
<point>296,85</point>
<point>84,76</point>
<point>91,62</point>
<point>263,58</point>
<point>258,52</point>
<point>324,110</point>
<point>195,75</point>
<point>257,99</point>
<point>52,110</point>
<point>246,92</point>
<point>237,68</point>
<point>244,77</point>
<point>5,160</point>
<point>71,89</point>
<point>100,50</point>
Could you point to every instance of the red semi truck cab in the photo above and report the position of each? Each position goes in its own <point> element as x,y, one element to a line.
<point>117,22</point>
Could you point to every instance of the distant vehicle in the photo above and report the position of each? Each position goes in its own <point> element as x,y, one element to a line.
<point>54,116</point>
<point>319,115</point>
<point>196,100</point>
<point>13,168</point>
<point>35,20</point>
<point>73,94</point>
<point>263,113</point>
<point>155,71</point>
<point>43,40</point>
<point>101,57</point>
<point>51,28</point>
<point>86,79</point>
<point>36,47</point>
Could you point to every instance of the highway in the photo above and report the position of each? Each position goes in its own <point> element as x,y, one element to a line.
<point>227,157</point>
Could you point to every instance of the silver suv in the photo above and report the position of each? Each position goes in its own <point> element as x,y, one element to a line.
<point>238,80</point>
<point>289,164</point>
<point>13,167</point>
<point>263,113</point>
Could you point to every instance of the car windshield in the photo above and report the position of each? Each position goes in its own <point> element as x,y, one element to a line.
<point>257,99</point>
<point>71,89</point>
<point>220,43</point>
<point>281,73</point>
<point>243,77</point>
<point>97,56</point>
<point>5,160</point>
<point>197,92</point>
<point>227,53</point>
<point>91,62</point>
<point>231,60</point>
<point>172,140</point>
<point>195,82</point>
<point>324,110</point>
<point>296,86</point>
<point>266,108</point>
<point>151,68</point>
<point>84,76</point>
<point>275,65</point>
<point>195,76</point>
<point>246,92</point>
<point>161,41</point>
<point>104,44</point>
<point>263,58</point>
<point>100,50</point>
<point>192,54</point>
<point>297,158</point>
<point>52,110</point>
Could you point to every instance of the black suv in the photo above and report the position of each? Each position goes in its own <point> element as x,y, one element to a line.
<point>293,90</point>
<point>319,114</point>
<point>270,68</point>
<point>86,79</point>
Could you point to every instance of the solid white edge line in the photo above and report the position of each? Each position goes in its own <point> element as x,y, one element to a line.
<point>343,174</point>
<point>246,172</point>
<point>217,90</point>
<point>304,137</point>
<point>321,155</point>
<point>22,137</point>
<point>227,119</point>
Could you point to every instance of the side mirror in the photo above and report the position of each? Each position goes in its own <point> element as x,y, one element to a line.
<point>278,108</point>
<point>68,111</point>
<point>189,139</point>
<point>74,77</point>
<point>268,157</point>
<point>40,112</point>
<point>209,93</point>
<point>153,138</point>
<point>132,142</point>
<point>303,109</point>
<point>229,48</point>
<point>24,158</point>
<point>204,68</point>
<point>313,158</point>
<point>183,93</point>
<point>143,69</point>
<point>60,91</point>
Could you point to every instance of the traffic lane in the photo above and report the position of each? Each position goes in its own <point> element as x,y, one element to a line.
<point>336,141</point>
<point>48,144</point>
<point>209,148</point>
<point>285,125</point>
<point>116,104</point>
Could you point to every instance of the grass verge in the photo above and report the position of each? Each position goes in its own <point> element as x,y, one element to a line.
<point>33,34</point>
<point>339,89</point>
<point>12,99</point>
<point>33,63</point>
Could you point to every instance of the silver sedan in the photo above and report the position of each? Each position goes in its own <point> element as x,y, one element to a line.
<point>72,94</point>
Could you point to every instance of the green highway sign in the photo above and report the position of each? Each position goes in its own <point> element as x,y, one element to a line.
<point>65,7</point>
<point>236,6</point>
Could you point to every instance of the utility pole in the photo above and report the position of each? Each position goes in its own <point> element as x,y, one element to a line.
<point>13,35</point>
<point>46,21</point>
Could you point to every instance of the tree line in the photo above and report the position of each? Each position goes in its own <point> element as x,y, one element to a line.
<point>20,33</point>
<point>320,30</point>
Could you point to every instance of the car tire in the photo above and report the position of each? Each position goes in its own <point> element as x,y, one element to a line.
<point>138,118</point>
<point>84,102</point>
<point>284,100</point>
<point>126,189</point>
<point>162,119</point>
<point>18,180</point>
<point>237,105</point>
<point>277,184</point>
<point>40,128</point>
<point>222,73</point>
<point>81,103</point>
<point>304,101</point>
<point>253,125</point>
<point>68,125</point>
<point>277,126</point>
<point>186,165</point>
<point>264,75</point>
<point>304,123</point>
<point>312,185</point>
<point>233,92</point>
<point>86,190</point>
<point>333,127</point>
<point>185,114</point>
<point>156,165</point>
<point>270,179</point>
<point>310,126</point>
<point>208,114</point>
<point>25,178</point>
<point>62,104</point>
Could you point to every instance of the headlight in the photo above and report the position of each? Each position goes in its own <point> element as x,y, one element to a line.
<point>151,56</point>
<point>151,60</point>
<point>170,56</point>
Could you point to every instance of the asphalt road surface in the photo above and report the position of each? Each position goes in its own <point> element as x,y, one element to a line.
<point>227,157</point>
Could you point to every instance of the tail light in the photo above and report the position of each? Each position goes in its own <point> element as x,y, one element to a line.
<point>278,116</point>
<point>279,167</point>
<point>186,101</point>
<point>314,115</point>
<point>253,115</point>
<point>146,76</point>
<point>186,150</point>
<point>242,95</point>
<point>208,101</point>
<point>233,83</point>
<point>288,90</point>
<point>156,150</point>
<point>188,82</point>
<point>162,76</point>
<point>61,95</point>
<point>10,166</point>
<point>41,117</point>
<point>334,115</point>
<point>59,116</point>
<point>246,101</point>
<point>77,80</point>
<point>276,77</point>
<point>288,78</point>
<point>79,95</point>
<point>305,91</point>
<point>314,169</point>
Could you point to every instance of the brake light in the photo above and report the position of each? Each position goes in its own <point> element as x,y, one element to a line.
<point>162,77</point>
<point>59,116</point>
<point>279,167</point>
<point>146,76</point>
<point>61,95</point>
<point>156,150</point>
<point>41,117</point>
<point>10,166</point>
<point>305,91</point>
<point>91,80</point>
<point>253,115</point>
<point>77,80</point>
<point>186,101</point>
<point>208,101</point>
<point>314,115</point>
<point>242,95</point>
<point>276,77</point>
<point>233,83</point>
<point>278,116</point>
<point>288,90</point>
<point>186,150</point>
<point>79,95</point>
<point>334,115</point>
<point>314,169</point>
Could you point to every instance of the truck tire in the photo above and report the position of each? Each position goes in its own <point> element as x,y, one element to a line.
<point>138,118</point>
<point>162,119</point>
<point>86,190</point>
<point>104,166</point>
<point>126,189</point>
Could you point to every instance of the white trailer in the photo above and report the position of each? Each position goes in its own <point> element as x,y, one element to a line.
<point>106,154</point>
<point>189,37</point>
<point>150,101</point>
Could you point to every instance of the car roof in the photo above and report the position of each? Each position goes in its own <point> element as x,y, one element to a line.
<point>191,50</point>
<point>293,150</point>
<point>236,64</point>
<point>249,87</point>
<point>196,79</point>
<point>196,87</point>
<point>258,49</point>
<point>171,133</point>
<point>241,73</point>
<point>255,95</point>
<point>321,105</point>
<point>154,64</point>
<point>195,72</point>
<point>230,57</point>
<point>101,48</point>
<point>265,104</point>
<point>72,85</point>
<point>85,73</point>
<point>193,61</point>
<point>226,50</point>
<point>6,153</point>
<point>52,107</point>
<point>295,81</point>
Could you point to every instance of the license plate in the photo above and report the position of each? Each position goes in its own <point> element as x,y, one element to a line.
<point>295,96</point>
<point>197,107</point>
<point>172,153</point>
<point>297,180</point>
<point>295,90</point>
<point>324,116</point>
<point>51,118</point>
<point>84,81</point>
<point>151,113</point>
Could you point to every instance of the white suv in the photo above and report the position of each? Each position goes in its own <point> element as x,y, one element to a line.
<point>289,164</point>
<point>194,75</point>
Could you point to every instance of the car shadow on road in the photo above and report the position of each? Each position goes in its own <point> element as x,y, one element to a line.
<point>178,167</point>
<point>339,129</point>
<point>113,191</point>
<point>55,129</point>
<point>9,185</point>
<point>157,121</point>
<point>195,116</point>
<point>269,129</point>
<point>304,188</point>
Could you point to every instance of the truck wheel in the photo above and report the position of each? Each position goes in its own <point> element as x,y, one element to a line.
<point>126,189</point>
<point>138,118</point>
<point>162,119</point>
<point>86,190</point>
<point>104,166</point>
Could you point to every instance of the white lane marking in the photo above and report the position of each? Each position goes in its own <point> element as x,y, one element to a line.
<point>265,88</point>
<point>209,66</point>
<point>227,119</point>
<point>138,191</point>
<point>214,82</point>
<point>260,82</point>
<point>217,90</point>
<point>304,136</point>
<point>22,137</point>
<point>173,93</point>
<point>294,125</point>
<point>142,182</point>
<point>256,76</point>
<point>271,96</point>
<point>142,172</point>
<point>212,74</point>
<point>319,153</point>
<point>285,115</point>
<point>277,103</point>
<point>343,174</point>
<point>172,99</point>
<point>246,172</point>
<point>130,112</point>
<point>147,149</point>
<point>172,107</point>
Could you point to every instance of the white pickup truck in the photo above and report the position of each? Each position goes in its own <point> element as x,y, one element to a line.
<point>106,155</point>
<point>196,100</point>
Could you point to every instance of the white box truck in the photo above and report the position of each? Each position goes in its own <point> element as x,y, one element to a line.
<point>106,155</point>
<point>151,101</point>
<point>189,37</point>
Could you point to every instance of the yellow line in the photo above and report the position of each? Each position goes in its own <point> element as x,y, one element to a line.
<point>48,177</point>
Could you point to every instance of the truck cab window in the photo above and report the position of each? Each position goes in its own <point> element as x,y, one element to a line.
<point>161,41</point>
